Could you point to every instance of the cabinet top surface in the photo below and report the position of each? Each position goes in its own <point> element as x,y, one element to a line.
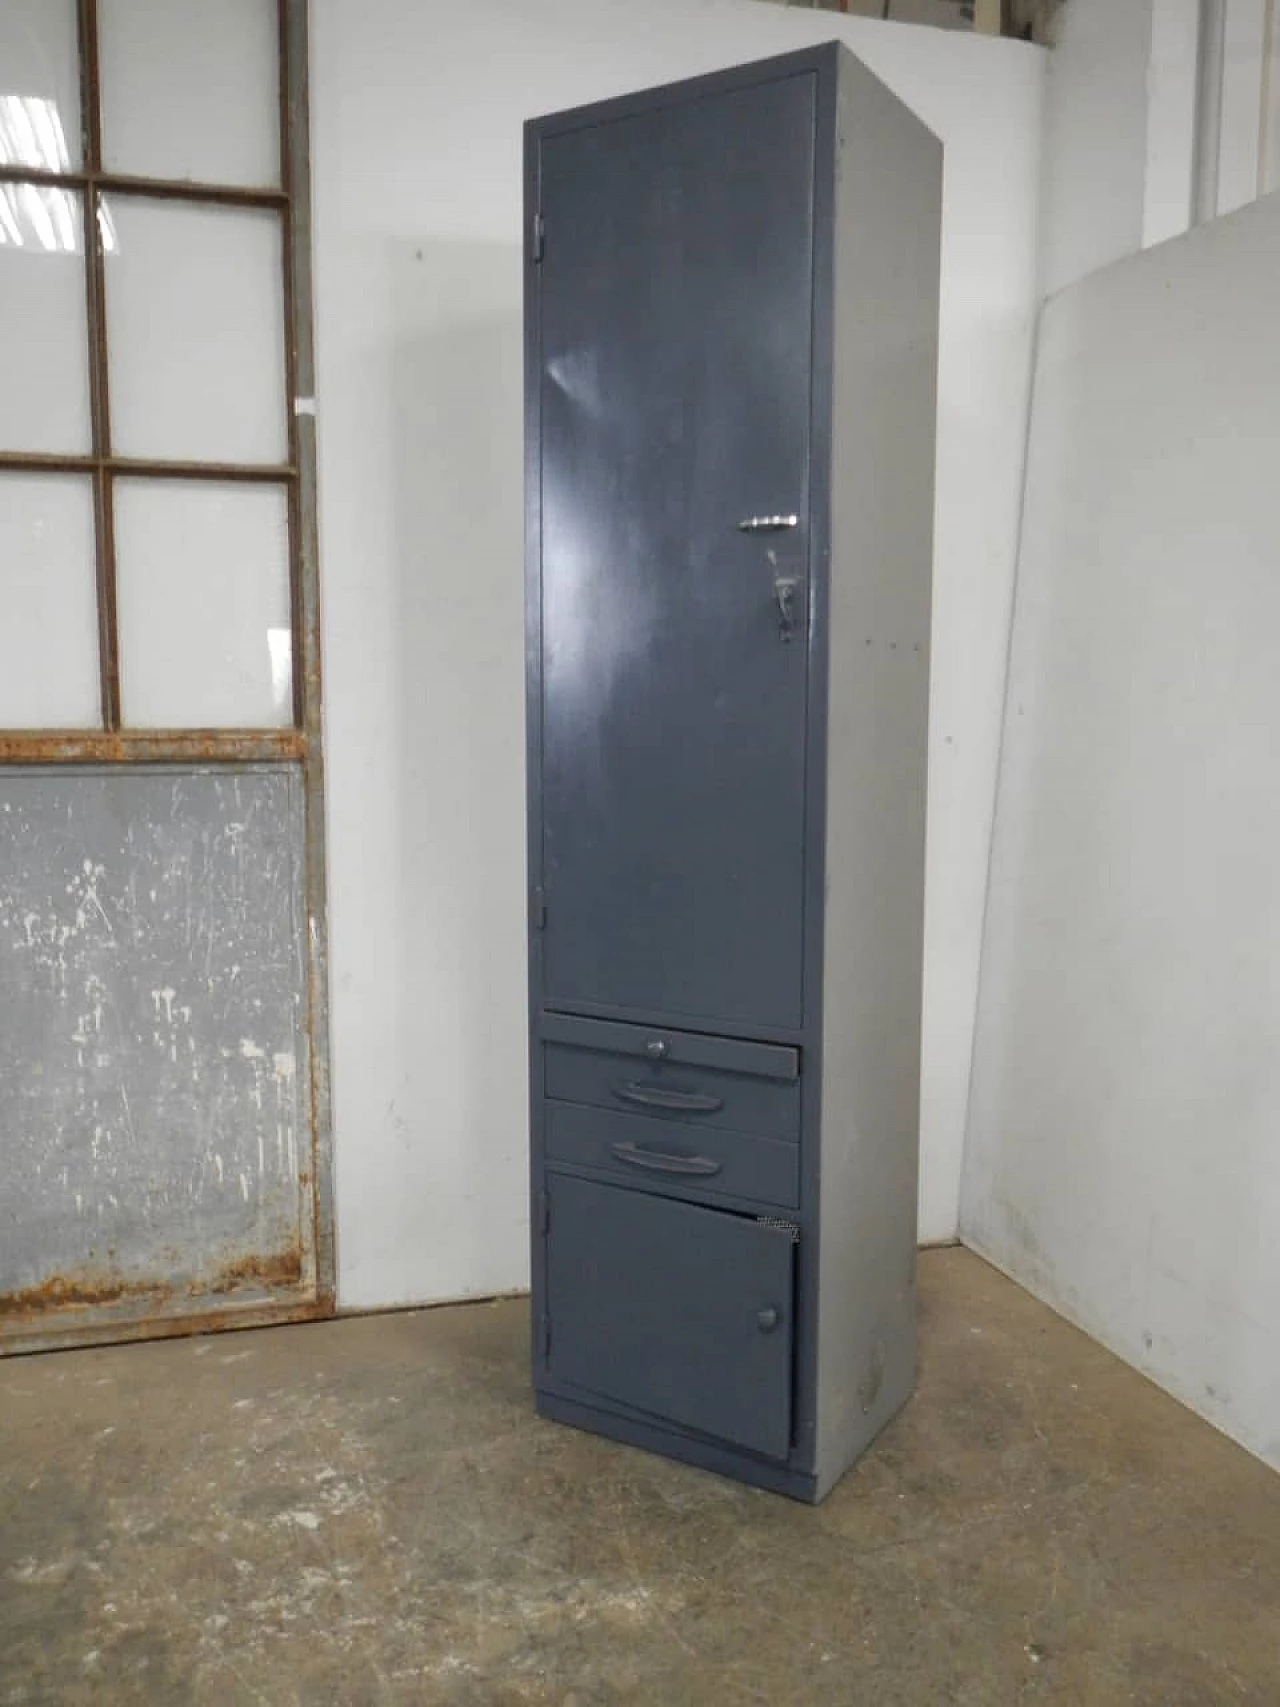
<point>825,57</point>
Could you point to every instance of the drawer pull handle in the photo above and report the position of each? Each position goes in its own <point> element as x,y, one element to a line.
<point>661,1163</point>
<point>676,1102</point>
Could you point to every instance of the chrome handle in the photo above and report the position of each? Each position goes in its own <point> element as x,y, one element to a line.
<point>767,524</point>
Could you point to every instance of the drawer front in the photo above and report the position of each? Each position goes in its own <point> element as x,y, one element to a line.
<point>676,1156</point>
<point>672,1076</point>
<point>681,1312</point>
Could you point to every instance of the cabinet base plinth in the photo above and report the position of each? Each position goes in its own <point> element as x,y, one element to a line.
<point>671,1443</point>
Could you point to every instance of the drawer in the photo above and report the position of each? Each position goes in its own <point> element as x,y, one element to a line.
<point>691,1160</point>
<point>673,1076</point>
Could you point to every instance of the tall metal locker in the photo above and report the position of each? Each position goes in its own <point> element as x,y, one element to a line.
<point>731,346</point>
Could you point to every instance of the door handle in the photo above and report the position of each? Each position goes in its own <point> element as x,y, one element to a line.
<point>786,592</point>
<point>659,1162</point>
<point>767,524</point>
<point>657,1096</point>
<point>767,1319</point>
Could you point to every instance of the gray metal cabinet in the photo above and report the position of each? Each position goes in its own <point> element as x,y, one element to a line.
<point>731,346</point>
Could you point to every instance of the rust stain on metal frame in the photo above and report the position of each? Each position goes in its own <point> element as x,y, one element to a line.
<point>271,1273</point>
<point>227,1318</point>
<point>295,166</point>
<point>152,189</point>
<point>290,349</point>
<point>98,1289</point>
<point>99,399</point>
<point>152,746</point>
<point>67,1309</point>
<point>73,1291</point>
<point>152,468</point>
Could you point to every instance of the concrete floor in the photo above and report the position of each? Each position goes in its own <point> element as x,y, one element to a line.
<point>368,1511</point>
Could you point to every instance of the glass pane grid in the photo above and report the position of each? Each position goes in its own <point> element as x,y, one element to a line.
<point>199,628</point>
<point>32,134</point>
<point>44,395</point>
<point>49,636</point>
<point>39,85</point>
<point>204,604</point>
<point>195,332</point>
<point>191,89</point>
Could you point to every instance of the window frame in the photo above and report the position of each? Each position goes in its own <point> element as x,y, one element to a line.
<point>191,749</point>
<point>114,741</point>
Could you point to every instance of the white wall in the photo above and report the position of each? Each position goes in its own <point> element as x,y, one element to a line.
<point>417,112</point>
<point>1247,146</point>
<point>1123,1158</point>
<point>1172,125</point>
<point>1095,135</point>
<point>1122,127</point>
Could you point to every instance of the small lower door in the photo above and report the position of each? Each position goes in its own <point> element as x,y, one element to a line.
<point>672,1309</point>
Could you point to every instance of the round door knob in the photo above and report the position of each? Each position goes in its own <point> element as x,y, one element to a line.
<point>657,1048</point>
<point>767,1319</point>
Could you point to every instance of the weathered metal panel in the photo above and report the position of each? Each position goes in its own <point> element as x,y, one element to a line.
<point>155,1141</point>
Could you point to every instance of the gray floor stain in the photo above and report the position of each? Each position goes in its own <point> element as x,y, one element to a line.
<point>369,1511</point>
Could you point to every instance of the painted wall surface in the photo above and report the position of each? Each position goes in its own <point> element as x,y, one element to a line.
<point>417,111</point>
<point>1169,191</point>
<point>1095,137</point>
<point>1122,1158</point>
<point>1247,148</point>
<point>1124,132</point>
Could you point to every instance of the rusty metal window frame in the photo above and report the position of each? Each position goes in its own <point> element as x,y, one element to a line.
<point>300,745</point>
<point>113,742</point>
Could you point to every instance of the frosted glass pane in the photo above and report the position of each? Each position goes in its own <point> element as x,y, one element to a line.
<point>195,332</point>
<point>203,604</point>
<point>190,89</point>
<point>39,85</point>
<point>49,600</point>
<point>44,395</point>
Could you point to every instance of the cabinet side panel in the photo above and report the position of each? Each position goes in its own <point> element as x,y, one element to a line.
<point>888,222</point>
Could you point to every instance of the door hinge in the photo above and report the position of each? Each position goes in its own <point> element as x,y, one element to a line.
<point>779,1224</point>
<point>538,907</point>
<point>544,1213</point>
<point>546,1337</point>
<point>539,238</point>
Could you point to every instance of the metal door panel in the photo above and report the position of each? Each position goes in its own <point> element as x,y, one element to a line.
<point>155,1106</point>
<point>675,322</point>
<point>671,1309</point>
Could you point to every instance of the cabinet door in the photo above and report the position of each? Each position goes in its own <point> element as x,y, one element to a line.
<point>673,312</point>
<point>667,1308</point>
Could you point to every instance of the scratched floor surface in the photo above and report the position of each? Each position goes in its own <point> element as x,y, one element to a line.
<point>368,1511</point>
